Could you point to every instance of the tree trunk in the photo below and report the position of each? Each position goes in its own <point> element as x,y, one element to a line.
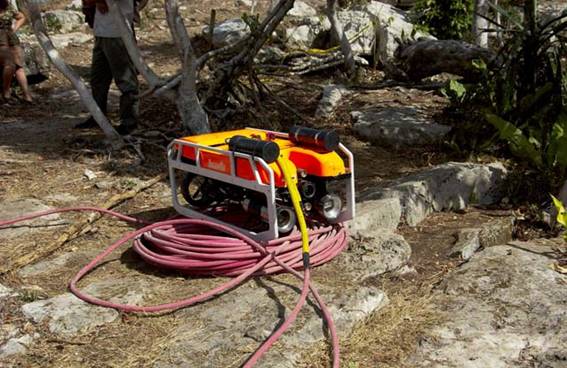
<point>193,116</point>
<point>427,58</point>
<point>86,97</point>
<point>480,24</point>
<point>340,36</point>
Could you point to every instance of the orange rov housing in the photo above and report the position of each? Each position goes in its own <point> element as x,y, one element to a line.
<point>233,178</point>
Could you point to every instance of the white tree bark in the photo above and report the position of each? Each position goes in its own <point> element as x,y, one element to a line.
<point>480,24</point>
<point>85,95</point>
<point>340,36</point>
<point>193,116</point>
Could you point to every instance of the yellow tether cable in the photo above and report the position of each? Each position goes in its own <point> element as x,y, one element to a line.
<point>296,201</point>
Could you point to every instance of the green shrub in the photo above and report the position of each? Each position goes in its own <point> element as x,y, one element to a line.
<point>445,19</point>
<point>523,97</point>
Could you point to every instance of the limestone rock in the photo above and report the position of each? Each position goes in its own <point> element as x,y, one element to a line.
<point>75,5</point>
<point>374,254</point>
<point>15,346</point>
<point>228,32</point>
<point>504,308</point>
<point>5,292</point>
<point>359,28</point>
<point>13,209</point>
<point>253,311</point>
<point>58,263</point>
<point>63,21</point>
<point>305,32</point>
<point>66,315</point>
<point>397,127</point>
<point>371,216</point>
<point>468,242</point>
<point>301,9</point>
<point>270,55</point>
<point>393,25</point>
<point>451,186</point>
<point>333,94</point>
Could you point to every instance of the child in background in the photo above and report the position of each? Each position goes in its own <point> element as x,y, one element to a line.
<point>11,53</point>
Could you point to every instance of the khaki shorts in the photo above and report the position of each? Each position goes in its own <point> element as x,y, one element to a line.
<point>6,56</point>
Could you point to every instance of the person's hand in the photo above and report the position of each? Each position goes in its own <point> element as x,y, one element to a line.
<point>102,7</point>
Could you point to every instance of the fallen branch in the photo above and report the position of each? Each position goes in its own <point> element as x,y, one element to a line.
<point>79,228</point>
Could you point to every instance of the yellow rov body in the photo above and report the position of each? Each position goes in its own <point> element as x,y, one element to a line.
<point>235,178</point>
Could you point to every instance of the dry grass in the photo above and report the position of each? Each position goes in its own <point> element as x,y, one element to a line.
<point>388,336</point>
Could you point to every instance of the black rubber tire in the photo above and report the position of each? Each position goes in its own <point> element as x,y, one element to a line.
<point>205,200</point>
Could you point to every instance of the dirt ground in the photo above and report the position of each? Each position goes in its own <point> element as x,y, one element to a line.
<point>42,155</point>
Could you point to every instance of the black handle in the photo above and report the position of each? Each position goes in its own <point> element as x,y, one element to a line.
<point>268,151</point>
<point>326,139</point>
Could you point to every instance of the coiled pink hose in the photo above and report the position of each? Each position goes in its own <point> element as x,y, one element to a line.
<point>199,247</point>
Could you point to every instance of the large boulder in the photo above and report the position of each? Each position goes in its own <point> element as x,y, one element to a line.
<point>398,127</point>
<point>449,187</point>
<point>375,30</point>
<point>392,27</point>
<point>505,308</point>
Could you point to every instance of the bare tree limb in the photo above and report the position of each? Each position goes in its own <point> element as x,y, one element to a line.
<point>340,36</point>
<point>36,21</point>
<point>131,46</point>
<point>192,114</point>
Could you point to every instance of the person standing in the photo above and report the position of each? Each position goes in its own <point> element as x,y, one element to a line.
<point>110,61</point>
<point>11,52</point>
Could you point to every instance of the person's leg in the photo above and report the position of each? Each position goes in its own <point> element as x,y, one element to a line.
<point>7,75</point>
<point>23,82</point>
<point>125,77</point>
<point>101,77</point>
<point>101,74</point>
<point>18,55</point>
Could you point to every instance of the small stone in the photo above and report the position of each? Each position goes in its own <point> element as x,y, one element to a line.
<point>333,94</point>
<point>15,346</point>
<point>468,242</point>
<point>89,174</point>
<point>5,292</point>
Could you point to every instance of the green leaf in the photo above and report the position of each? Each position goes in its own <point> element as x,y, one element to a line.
<point>519,144</point>
<point>561,213</point>
<point>557,150</point>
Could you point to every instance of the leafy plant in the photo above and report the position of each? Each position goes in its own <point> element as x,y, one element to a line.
<point>445,19</point>
<point>524,93</point>
<point>561,214</point>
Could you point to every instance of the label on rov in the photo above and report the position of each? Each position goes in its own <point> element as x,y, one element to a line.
<point>215,162</point>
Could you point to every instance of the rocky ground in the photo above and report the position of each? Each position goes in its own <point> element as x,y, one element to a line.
<point>432,276</point>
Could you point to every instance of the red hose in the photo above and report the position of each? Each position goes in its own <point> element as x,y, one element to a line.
<point>198,247</point>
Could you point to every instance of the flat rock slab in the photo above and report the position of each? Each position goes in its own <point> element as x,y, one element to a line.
<point>66,315</point>
<point>224,331</point>
<point>12,209</point>
<point>397,127</point>
<point>451,186</point>
<point>504,308</point>
<point>59,263</point>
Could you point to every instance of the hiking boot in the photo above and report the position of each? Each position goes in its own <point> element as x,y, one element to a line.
<point>87,124</point>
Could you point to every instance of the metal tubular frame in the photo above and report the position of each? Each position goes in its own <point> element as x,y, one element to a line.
<point>268,189</point>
